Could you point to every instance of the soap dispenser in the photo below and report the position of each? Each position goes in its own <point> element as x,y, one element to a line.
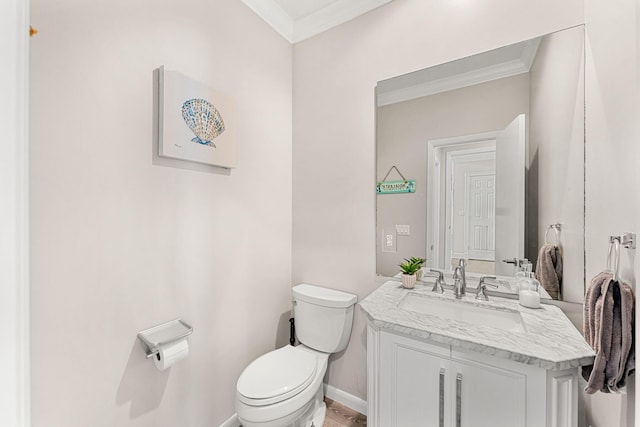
<point>528,289</point>
<point>523,272</point>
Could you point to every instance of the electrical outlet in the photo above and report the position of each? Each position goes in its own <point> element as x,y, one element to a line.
<point>389,240</point>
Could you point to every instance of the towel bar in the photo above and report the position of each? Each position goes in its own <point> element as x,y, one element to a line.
<point>556,228</point>
<point>626,240</point>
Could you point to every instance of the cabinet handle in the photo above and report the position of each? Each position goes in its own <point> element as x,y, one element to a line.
<point>458,400</point>
<point>441,401</point>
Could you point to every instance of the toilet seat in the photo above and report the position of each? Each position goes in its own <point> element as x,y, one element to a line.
<point>276,376</point>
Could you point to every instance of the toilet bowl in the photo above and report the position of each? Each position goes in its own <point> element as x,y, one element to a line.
<point>283,388</point>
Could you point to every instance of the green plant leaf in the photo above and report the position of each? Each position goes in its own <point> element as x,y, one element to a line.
<point>409,267</point>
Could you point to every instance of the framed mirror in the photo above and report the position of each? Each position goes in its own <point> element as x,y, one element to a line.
<point>495,144</point>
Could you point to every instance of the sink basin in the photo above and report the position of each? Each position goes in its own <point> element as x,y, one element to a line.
<point>459,311</point>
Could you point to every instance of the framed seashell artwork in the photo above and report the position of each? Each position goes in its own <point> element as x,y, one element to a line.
<point>196,123</point>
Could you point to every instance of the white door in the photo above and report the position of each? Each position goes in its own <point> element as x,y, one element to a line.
<point>461,164</point>
<point>480,216</point>
<point>509,223</point>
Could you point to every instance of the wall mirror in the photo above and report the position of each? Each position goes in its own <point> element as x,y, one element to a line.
<point>495,144</point>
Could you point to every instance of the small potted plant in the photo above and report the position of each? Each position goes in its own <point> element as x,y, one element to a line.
<point>409,273</point>
<point>420,262</point>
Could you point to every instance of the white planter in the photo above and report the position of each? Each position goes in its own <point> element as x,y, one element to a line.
<point>419,274</point>
<point>408,280</point>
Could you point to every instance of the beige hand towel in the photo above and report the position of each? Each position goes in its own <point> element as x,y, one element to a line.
<point>598,330</point>
<point>622,350</point>
<point>608,328</point>
<point>549,269</point>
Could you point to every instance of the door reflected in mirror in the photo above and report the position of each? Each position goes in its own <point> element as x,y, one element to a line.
<point>495,144</point>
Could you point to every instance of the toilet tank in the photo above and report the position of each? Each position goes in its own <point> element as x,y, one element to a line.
<point>323,317</point>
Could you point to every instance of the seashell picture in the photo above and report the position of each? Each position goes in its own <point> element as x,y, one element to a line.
<point>203,119</point>
<point>196,123</point>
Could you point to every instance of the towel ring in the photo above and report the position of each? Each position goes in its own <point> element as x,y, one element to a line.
<point>614,249</point>
<point>556,228</point>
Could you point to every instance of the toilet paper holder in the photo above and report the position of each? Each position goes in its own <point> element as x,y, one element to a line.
<point>153,338</point>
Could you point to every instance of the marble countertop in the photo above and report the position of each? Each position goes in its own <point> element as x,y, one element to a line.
<point>550,340</point>
<point>506,284</point>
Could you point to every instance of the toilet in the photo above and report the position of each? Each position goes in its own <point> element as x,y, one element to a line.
<point>284,387</point>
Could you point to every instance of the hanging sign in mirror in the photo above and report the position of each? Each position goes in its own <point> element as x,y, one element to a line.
<point>395,187</point>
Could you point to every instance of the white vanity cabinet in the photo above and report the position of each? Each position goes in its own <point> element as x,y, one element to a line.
<point>414,382</point>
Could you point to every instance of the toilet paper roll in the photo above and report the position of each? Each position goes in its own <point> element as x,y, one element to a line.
<point>171,353</point>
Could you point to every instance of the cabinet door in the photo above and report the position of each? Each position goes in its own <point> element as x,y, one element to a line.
<point>413,383</point>
<point>485,395</point>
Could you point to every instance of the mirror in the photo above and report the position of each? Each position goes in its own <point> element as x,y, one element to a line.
<point>495,144</point>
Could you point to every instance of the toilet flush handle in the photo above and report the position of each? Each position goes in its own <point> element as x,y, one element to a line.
<point>292,331</point>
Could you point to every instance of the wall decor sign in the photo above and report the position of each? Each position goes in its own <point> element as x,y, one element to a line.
<point>394,187</point>
<point>196,123</point>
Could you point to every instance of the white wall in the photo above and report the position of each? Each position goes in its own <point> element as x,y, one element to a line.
<point>556,152</point>
<point>335,74</point>
<point>612,159</point>
<point>123,241</point>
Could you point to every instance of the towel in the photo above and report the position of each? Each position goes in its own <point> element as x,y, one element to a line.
<point>622,350</point>
<point>549,269</point>
<point>608,328</point>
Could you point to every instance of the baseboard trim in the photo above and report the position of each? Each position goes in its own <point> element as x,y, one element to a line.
<point>233,421</point>
<point>346,399</point>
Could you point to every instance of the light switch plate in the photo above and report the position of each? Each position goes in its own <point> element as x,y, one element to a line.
<point>403,230</point>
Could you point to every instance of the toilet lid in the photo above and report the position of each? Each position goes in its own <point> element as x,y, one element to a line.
<point>277,375</point>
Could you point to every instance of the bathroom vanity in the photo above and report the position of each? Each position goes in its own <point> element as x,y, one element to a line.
<point>434,360</point>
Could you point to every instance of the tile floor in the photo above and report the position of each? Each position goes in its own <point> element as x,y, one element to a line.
<point>341,416</point>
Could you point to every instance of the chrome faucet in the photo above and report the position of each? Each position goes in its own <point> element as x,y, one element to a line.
<point>437,286</point>
<point>460,279</point>
<point>481,290</point>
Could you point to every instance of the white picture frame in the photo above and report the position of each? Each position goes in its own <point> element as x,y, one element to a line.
<point>196,123</point>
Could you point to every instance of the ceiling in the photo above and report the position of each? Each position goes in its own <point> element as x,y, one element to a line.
<point>297,20</point>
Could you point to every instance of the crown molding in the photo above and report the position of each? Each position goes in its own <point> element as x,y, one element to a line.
<point>273,15</point>
<point>516,59</point>
<point>315,23</point>
<point>331,16</point>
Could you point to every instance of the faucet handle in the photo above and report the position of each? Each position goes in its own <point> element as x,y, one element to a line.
<point>483,281</point>
<point>462,262</point>
<point>440,274</point>
<point>437,285</point>
<point>517,262</point>
<point>481,291</point>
